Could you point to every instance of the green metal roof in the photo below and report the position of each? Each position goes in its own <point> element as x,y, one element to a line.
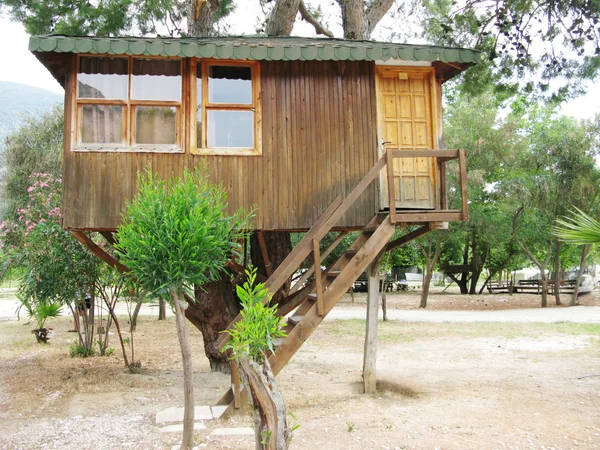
<point>261,48</point>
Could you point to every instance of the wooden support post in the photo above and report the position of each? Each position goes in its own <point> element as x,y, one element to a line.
<point>462,166</point>
<point>318,275</point>
<point>265,254</point>
<point>370,357</point>
<point>391,186</point>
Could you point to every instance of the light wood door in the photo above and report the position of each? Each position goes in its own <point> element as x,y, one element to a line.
<point>405,122</point>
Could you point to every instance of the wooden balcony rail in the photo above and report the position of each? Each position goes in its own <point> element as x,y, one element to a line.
<point>437,215</point>
<point>311,240</point>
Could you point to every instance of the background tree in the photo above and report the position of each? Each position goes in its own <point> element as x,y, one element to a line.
<point>176,235</point>
<point>36,147</point>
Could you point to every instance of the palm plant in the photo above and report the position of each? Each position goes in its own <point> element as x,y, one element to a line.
<point>579,228</point>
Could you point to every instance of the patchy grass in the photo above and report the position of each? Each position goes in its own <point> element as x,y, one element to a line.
<point>397,332</point>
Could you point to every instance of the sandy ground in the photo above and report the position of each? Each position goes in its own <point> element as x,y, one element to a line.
<point>460,384</point>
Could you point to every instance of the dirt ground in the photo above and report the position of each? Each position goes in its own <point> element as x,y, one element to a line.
<point>441,385</point>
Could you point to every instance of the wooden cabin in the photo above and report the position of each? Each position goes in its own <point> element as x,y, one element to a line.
<point>319,134</point>
<point>286,124</point>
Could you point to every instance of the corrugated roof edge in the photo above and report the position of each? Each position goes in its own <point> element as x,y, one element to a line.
<point>267,48</point>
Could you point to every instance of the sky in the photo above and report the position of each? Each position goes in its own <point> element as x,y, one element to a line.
<point>18,65</point>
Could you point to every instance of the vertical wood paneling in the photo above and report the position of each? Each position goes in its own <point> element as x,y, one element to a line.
<point>319,140</point>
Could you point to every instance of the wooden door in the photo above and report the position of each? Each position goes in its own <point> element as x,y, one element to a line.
<point>405,122</point>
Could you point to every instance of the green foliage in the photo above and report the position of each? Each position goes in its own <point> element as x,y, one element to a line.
<point>41,311</point>
<point>578,228</point>
<point>178,233</point>
<point>36,147</point>
<point>56,268</point>
<point>565,34</point>
<point>106,17</point>
<point>81,351</point>
<point>259,326</point>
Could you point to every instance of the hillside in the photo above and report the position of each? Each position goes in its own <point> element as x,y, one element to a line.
<point>19,101</point>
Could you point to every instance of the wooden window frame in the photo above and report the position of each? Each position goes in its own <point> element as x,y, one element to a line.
<point>128,144</point>
<point>255,107</point>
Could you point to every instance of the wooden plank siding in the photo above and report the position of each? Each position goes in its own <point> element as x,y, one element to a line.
<point>319,139</point>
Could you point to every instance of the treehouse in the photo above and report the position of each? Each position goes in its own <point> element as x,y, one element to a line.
<point>318,134</point>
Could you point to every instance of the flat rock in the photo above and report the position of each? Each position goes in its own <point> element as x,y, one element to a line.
<point>176,414</point>
<point>179,427</point>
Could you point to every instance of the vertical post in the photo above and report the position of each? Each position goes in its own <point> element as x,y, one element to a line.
<point>370,356</point>
<point>443,194</point>
<point>391,186</point>
<point>462,166</point>
<point>318,275</point>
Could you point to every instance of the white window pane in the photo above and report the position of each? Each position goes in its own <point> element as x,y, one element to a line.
<point>230,129</point>
<point>155,79</point>
<point>101,124</point>
<point>102,78</point>
<point>155,125</point>
<point>230,84</point>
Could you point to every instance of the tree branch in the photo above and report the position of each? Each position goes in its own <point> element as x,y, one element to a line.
<point>308,17</point>
<point>375,12</point>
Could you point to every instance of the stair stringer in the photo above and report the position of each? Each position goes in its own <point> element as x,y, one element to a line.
<point>332,295</point>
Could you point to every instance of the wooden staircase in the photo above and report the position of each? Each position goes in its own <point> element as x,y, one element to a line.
<point>309,302</point>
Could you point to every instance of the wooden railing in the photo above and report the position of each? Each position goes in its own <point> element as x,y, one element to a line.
<point>311,240</point>
<point>443,214</point>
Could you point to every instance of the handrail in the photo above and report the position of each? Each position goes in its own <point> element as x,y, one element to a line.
<point>309,243</point>
<point>442,157</point>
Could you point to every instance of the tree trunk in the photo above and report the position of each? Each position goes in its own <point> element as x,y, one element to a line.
<point>270,411</point>
<point>383,304</point>
<point>136,312</point>
<point>282,18</point>
<point>201,17</point>
<point>187,441</point>
<point>544,286</point>
<point>353,19</point>
<point>162,309</point>
<point>214,308</point>
<point>557,273</point>
<point>584,252</point>
<point>430,262</point>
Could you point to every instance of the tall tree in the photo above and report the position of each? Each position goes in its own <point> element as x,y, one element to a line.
<point>175,236</point>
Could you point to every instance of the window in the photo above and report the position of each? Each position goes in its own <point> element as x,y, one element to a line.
<point>227,108</point>
<point>129,103</point>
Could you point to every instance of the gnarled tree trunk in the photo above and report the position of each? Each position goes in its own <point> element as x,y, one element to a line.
<point>212,310</point>
<point>270,411</point>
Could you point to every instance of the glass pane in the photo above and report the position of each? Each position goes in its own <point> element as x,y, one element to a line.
<point>199,106</point>
<point>155,125</point>
<point>230,84</point>
<point>155,79</point>
<point>102,78</point>
<point>101,124</point>
<point>231,129</point>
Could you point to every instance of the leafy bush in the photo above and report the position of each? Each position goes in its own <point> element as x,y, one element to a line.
<point>256,332</point>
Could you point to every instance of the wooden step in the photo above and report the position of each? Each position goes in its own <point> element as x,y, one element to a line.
<point>370,228</point>
<point>351,252</point>
<point>295,319</point>
<point>333,273</point>
<point>312,298</point>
